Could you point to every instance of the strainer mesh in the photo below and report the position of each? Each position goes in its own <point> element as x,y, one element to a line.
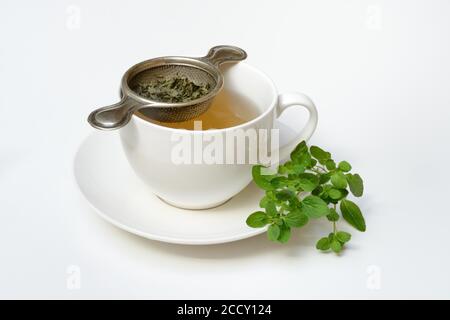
<point>174,113</point>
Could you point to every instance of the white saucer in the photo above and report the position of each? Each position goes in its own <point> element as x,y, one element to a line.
<point>108,183</point>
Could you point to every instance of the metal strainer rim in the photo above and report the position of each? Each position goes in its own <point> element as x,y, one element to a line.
<point>198,63</point>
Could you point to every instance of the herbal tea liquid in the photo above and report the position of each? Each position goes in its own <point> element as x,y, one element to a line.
<point>228,109</point>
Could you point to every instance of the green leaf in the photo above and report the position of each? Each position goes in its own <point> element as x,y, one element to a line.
<point>324,196</point>
<point>294,203</point>
<point>330,164</point>
<point>333,216</point>
<point>300,155</point>
<point>279,182</point>
<point>257,219</point>
<point>308,181</point>
<point>314,207</point>
<point>264,201</point>
<point>334,193</point>
<point>352,214</point>
<point>300,149</point>
<point>339,180</point>
<point>282,168</point>
<point>268,197</point>
<point>319,154</point>
<point>344,166</point>
<point>262,181</point>
<point>285,234</point>
<point>291,168</point>
<point>296,218</point>
<point>337,194</point>
<point>324,178</point>
<point>317,191</point>
<point>336,246</point>
<point>304,160</point>
<point>285,194</point>
<point>356,184</point>
<point>273,232</point>
<point>271,209</point>
<point>312,163</point>
<point>323,244</point>
<point>343,237</point>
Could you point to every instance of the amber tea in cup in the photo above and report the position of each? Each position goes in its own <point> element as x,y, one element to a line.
<point>228,109</point>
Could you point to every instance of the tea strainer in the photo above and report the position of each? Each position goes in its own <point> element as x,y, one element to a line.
<point>203,70</point>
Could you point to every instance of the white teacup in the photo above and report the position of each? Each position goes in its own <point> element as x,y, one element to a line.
<point>149,146</point>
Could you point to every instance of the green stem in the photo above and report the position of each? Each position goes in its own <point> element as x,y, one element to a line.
<point>334,222</point>
<point>321,168</point>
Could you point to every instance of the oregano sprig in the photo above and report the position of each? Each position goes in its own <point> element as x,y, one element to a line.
<point>311,185</point>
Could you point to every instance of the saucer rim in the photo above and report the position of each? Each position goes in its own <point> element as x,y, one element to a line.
<point>146,235</point>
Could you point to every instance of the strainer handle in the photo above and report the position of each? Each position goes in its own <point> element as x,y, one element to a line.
<point>220,54</point>
<point>114,116</point>
<point>287,100</point>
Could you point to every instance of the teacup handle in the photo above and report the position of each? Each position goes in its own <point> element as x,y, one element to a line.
<point>287,100</point>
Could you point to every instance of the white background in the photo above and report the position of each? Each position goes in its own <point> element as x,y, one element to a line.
<point>378,71</point>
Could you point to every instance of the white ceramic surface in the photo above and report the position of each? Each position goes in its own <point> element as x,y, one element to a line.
<point>108,183</point>
<point>383,95</point>
<point>149,147</point>
<point>117,195</point>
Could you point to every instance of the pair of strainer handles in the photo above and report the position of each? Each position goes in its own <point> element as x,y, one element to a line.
<point>204,68</point>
